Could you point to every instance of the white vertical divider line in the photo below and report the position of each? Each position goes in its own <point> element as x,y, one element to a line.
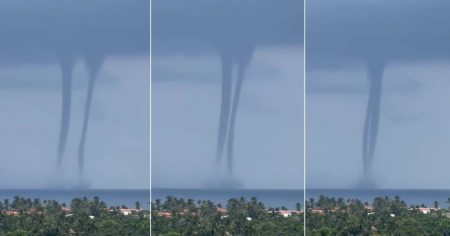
<point>150,110</point>
<point>304,117</point>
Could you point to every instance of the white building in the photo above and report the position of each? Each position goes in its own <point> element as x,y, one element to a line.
<point>287,213</point>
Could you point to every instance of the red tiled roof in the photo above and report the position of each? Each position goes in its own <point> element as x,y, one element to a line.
<point>287,212</point>
<point>12,213</point>
<point>66,209</point>
<point>318,211</point>
<point>222,210</point>
<point>168,214</point>
<point>427,209</point>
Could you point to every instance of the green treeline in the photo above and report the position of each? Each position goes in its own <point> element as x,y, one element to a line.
<point>21,217</point>
<point>330,216</point>
<point>176,217</point>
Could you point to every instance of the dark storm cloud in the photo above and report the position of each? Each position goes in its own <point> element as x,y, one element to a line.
<point>345,31</point>
<point>198,27</point>
<point>33,31</point>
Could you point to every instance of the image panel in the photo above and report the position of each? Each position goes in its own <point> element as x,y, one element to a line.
<point>377,125</point>
<point>75,123</point>
<point>227,117</point>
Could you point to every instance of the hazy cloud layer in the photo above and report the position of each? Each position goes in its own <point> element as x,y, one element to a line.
<point>269,129</point>
<point>349,43</point>
<point>199,43</point>
<point>413,136</point>
<point>38,41</point>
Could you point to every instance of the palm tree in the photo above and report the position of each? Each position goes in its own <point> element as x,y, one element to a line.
<point>158,204</point>
<point>16,202</point>
<point>341,202</point>
<point>6,204</point>
<point>436,204</point>
<point>312,202</point>
<point>138,206</point>
<point>321,201</point>
<point>298,206</point>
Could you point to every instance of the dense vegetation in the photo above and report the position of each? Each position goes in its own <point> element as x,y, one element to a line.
<point>330,216</point>
<point>176,217</point>
<point>21,217</point>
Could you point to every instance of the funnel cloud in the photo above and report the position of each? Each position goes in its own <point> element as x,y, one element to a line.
<point>375,72</point>
<point>348,41</point>
<point>230,33</point>
<point>242,59</point>
<point>38,36</point>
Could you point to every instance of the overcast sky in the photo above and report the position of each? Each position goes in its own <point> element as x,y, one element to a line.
<point>35,38</point>
<point>117,141</point>
<point>186,92</point>
<point>411,37</point>
<point>343,37</point>
<point>269,126</point>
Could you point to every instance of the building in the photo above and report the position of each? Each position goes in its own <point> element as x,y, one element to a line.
<point>12,213</point>
<point>162,213</point>
<point>128,211</point>
<point>66,209</point>
<point>426,210</point>
<point>222,210</point>
<point>317,211</point>
<point>287,213</point>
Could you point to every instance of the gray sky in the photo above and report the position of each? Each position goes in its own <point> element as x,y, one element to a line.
<point>269,129</point>
<point>36,37</point>
<point>414,130</point>
<point>189,40</point>
<point>117,141</point>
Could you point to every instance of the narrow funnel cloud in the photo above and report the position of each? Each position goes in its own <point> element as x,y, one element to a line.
<point>234,28</point>
<point>94,63</point>
<point>67,60</point>
<point>243,60</point>
<point>225,105</point>
<point>375,72</point>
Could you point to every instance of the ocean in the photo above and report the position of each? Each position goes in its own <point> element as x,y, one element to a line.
<point>289,198</point>
<point>112,197</point>
<point>410,196</point>
<point>270,198</point>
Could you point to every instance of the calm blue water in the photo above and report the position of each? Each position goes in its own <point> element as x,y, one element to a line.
<point>270,198</point>
<point>410,196</point>
<point>288,198</point>
<point>116,197</point>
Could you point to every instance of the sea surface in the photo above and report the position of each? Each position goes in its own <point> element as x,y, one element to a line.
<point>112,197</point>
<point>270,198</point>
<point>410,196</point>
<point>289,198</point>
